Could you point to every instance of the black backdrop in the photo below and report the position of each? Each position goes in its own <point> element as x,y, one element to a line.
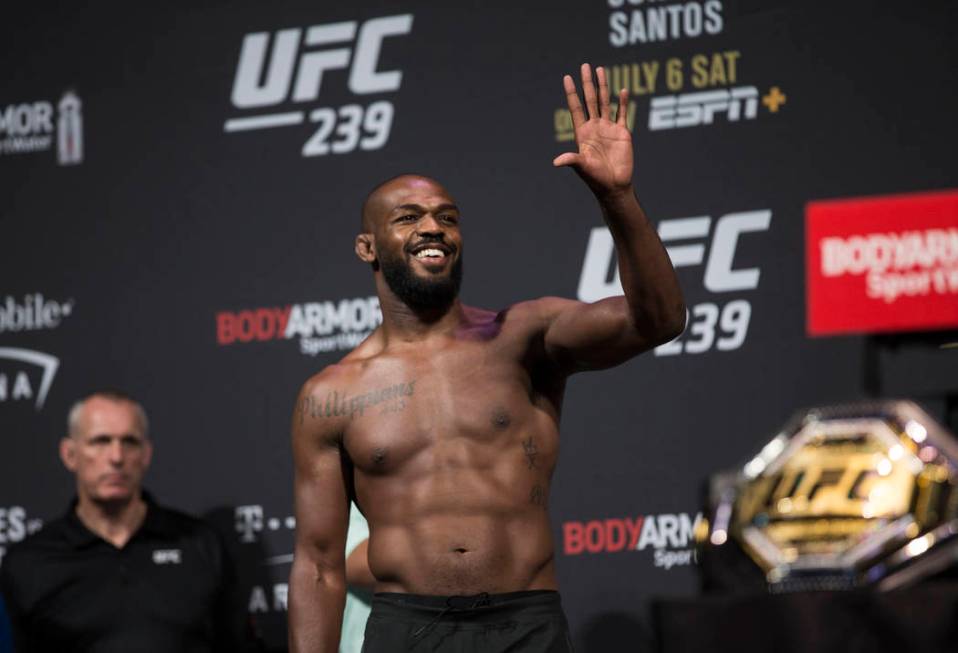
<point>146,252</point>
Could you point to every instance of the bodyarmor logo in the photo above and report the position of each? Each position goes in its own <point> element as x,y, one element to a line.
<point>693,109</point>
<point>15,385</point>
<point>320,326</point>
<point>669,535</point>
<point>28,127</point>
<point>260,85</point>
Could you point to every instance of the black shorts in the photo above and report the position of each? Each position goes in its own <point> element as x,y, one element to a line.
<point>487,623</point>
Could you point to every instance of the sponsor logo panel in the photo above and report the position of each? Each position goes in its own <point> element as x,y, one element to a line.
<point>668,536</point>
<point>699,88</point>
<point>699,241</point>
<point>32,312</point>
<point>26,375</point>
<point>882,263</point>
<point>319,327</point>
<point>252,525</point>
<point>280,75</point>
<point>34,126</point>
<point>15,524</point>
<point>639,22</point>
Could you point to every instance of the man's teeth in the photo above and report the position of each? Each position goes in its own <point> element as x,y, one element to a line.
<point>431,253</point>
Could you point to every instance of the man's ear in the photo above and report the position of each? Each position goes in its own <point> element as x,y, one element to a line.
<point>366,247</point>
<point>147,453</point>
<point>68,453</point>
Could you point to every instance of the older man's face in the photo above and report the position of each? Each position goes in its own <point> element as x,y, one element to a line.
<point>109,453</point>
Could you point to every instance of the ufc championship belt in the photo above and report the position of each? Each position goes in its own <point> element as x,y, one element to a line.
<point>844,496</point>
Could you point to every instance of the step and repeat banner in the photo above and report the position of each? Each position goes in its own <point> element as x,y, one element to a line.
<point>181,187</point>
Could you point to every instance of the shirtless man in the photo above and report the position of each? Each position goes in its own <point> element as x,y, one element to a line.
<point>444,423</point>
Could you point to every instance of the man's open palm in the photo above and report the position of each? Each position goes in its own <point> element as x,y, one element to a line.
<point>604,159</point>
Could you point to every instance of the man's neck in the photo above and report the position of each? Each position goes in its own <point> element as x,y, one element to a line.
<point>402,323</point>
<point>115,522</point>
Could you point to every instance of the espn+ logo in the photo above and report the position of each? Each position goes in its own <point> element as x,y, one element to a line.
<point>290,65</point>
<point>669,535</point>
<point>700,108</point>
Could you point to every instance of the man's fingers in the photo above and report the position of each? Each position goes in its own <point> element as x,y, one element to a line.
<point>588,90</point>
<point>565,159</point>
<point>623,107</point>
<point>604,109</point>
<point>572,98</point>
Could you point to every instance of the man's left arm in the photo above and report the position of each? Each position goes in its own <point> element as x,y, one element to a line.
<point>605,333</point>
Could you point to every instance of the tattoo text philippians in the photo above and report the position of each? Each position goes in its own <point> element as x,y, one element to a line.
<point>340,404</point>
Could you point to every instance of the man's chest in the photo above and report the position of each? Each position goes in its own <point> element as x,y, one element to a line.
<point>470,402</point>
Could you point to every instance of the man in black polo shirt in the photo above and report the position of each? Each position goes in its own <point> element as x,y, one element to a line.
<point>118,572</point>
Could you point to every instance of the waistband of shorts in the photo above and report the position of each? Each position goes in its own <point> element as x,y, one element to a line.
<point>479,608</point>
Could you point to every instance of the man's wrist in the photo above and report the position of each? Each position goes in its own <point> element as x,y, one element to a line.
<point>618,199</point>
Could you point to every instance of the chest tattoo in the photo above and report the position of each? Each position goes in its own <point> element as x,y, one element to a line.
<point>537,496</point>
<point>531,451</point>
<point>339,403</point>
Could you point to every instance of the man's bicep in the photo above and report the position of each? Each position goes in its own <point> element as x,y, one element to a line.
<point>321,495</point>
<point>581,336</point>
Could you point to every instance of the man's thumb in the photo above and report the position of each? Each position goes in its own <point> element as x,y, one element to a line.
<point>565,159</point>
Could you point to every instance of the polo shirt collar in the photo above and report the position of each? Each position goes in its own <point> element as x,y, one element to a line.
<point>156,522</point>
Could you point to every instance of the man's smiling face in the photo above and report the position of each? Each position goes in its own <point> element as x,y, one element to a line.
<point>415,224</point>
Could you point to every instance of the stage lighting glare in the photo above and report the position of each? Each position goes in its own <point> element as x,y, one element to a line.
<point>918,546</point>
<point>916,431</point>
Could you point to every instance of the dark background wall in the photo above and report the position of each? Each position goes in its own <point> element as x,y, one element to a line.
<point>171,226</point>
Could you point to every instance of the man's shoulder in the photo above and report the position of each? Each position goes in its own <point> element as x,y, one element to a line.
<point>546,306</point>
<point>180,523</point>
<point>182,529</point>
<point>531,314</point>
<point>334,376</point>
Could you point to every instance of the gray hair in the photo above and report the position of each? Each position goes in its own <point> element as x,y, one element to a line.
<point>73,418</point>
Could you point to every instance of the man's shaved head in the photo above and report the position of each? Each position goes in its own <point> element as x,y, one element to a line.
<point>373,208</point>
<point>410,234</point>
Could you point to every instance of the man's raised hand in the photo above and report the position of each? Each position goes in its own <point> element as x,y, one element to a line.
<point>604,159</point>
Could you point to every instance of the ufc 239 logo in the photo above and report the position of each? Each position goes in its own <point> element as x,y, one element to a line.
<point>709,325</point>
<point>288,67</point>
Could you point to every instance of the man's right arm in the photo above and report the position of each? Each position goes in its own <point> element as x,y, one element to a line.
<point>317,583</point>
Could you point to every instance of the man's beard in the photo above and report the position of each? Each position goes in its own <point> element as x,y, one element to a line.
<point>421,293</point>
